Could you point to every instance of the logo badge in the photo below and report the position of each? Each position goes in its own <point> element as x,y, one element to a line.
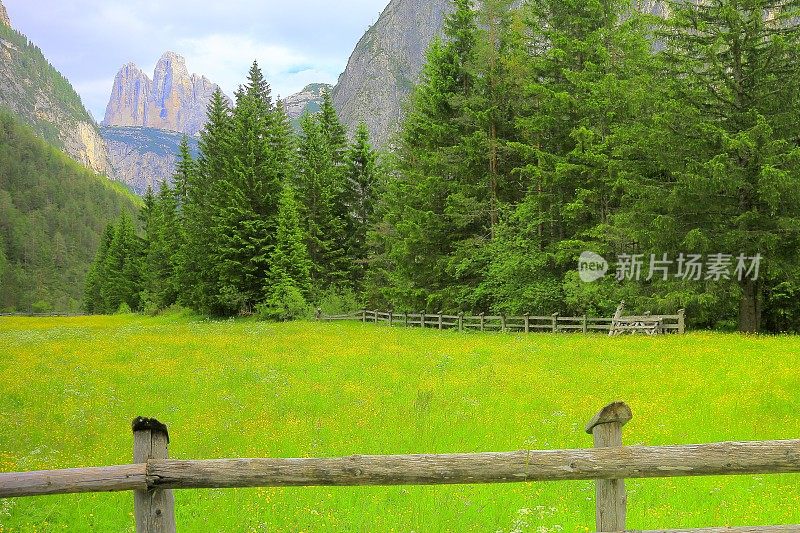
<point>592,267</point>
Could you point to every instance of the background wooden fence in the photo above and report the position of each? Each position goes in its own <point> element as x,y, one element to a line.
<point>527,324</point>
<point>153,476</point>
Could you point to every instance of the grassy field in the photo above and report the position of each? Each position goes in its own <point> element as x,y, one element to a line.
<point>70,387</point>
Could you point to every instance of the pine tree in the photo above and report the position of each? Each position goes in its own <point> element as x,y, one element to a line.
<point>362,182</point>
<point>199,280</point>
<point>121,282</point>
<point>320,188</point>
<point>246,212</point>
<point>93,302</point>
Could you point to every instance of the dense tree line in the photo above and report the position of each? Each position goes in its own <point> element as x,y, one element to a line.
<point>263,221</point>
<point>537,132</point>
<point>52,216</point>
<point>582,125</point>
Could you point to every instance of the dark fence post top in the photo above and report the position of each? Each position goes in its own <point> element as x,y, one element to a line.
<point>141,423</point>
<point>613,412</point>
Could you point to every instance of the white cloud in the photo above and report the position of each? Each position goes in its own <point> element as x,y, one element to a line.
<point>226,58</point>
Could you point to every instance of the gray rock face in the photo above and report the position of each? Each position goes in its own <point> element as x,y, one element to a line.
<point>386,64</point>
<point>4,15</point>
<point>173,100</point>
<point>143,157</point>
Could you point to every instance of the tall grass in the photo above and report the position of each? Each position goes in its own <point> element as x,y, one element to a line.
<point>70,387</point>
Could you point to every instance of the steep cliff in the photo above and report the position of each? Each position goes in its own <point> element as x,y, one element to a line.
<point>173,100</point>
<point>42,98</point>
<point>386,64</point>
<point>144,157</point>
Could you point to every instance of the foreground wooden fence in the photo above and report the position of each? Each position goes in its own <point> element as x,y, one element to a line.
<point>153,476</point>
<point>527,324</point>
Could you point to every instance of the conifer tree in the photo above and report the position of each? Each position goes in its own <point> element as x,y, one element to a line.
<point>362,182</point>
<point>246,213</point>
<point>320,187</point>
<point>121,282</point>
<point>160,257</point>
<point>289,261</point>
<point>422,227</point>
<point>199,280</point>
<point>184,172</point>
<point>93,302</point>
<point>332,129</point>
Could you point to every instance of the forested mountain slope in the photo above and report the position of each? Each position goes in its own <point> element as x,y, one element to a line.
<point>53,212</point>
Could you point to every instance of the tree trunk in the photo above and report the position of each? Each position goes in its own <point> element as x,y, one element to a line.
<point>750,307</point>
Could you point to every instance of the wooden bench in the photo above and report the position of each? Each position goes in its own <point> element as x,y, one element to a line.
<point>632,325</point>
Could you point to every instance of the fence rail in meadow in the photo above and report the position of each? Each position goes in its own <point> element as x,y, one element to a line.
<point>661,324</point>
<point>154,476</point>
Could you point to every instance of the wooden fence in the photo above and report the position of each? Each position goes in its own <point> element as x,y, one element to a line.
<point>527,324</point>
<point>153,476</point>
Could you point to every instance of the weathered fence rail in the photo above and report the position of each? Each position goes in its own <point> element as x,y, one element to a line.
<point>527,324</point>
<point>154,476</point>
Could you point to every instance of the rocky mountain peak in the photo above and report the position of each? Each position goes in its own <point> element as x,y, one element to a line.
<point>173,100</point>
<point>4,15</point>
<point>307,100</point>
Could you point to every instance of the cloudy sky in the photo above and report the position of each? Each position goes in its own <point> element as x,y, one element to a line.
<point>296,42</point>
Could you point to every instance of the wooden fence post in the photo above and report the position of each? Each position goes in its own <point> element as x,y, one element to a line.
<point>154,510</point>
<point>319,314</point>
<point>440,320</point>
<point>391,318</point>
<point>502,322</point>
<point>376,316</point>
<point>405,319</point>
<point>681,321</point>
<point>483,321</point>
<point>461,321</point>
<point>555,322</point>
<point>422,318</point>
<point>527,323</point>
<point>585,324</point>
<point>364,315</point>
<point>606,428</point>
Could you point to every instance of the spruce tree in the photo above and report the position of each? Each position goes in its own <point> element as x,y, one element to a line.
<point>362,183</point>
<point>246,212</point>
<point>321,189</point>
<point>422,226</point>
<point>184,172</point>
<point>121,282</point>
<point>160,257</point>
<point>199,280</point>
<point>584,74</point>
<point>289,261</point>
<point>93,302</point>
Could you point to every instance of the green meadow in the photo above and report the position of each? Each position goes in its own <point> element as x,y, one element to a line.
<point>69,388</point>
